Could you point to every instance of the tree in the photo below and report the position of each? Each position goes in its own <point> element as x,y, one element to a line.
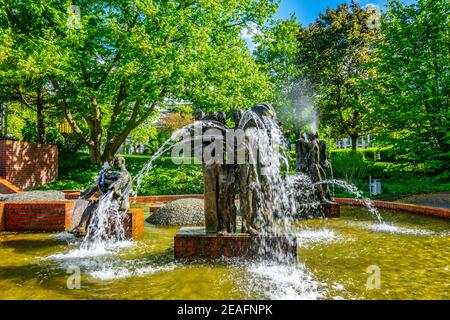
<point>23,69</point>
<point>333,54</point>
<point>109,64</point>
<point>411,91</point>
<point>277,51</point>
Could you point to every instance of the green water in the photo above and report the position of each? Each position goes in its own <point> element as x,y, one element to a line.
<point>413,258</point>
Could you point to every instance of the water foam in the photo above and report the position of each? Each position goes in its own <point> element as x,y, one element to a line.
<point>313,236</point>
<point>285,282</point>
<point>115,273</point>
<point>98,250</point>
<point>391,228</point>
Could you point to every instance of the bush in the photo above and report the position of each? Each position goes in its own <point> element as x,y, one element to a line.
<point>349,166</point>
<point>386,154</point>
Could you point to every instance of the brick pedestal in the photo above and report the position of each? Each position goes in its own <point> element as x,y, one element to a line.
<point>133,223</point>
<point>332,210</point>
<point>195,243</point>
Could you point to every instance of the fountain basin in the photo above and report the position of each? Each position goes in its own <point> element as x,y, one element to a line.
<point>195,243</point>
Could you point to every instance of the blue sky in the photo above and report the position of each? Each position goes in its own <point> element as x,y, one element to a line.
<point>307,11</point>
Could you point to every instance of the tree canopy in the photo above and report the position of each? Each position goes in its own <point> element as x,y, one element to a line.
<point>410,94</point>
<point>108,65</point>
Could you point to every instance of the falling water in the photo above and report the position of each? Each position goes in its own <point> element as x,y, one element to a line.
<point>354,190</point>
<point>106,225</point>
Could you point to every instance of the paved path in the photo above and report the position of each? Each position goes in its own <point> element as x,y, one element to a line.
<point>438,200</point>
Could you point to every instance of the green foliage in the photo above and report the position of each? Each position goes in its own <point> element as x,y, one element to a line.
<point>53,136</point>
<point>372,154</point>
<point>349,166</point>
<point>409,96</point>
<point>110,67</point>
<point>29,131</point>
<point>72,143</point>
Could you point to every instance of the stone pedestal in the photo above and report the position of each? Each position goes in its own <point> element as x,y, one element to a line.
<point>195,243</point>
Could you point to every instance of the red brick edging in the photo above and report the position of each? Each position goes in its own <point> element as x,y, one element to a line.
<point>34,216</point>
<point>404,207</point>
<point>75,194</point>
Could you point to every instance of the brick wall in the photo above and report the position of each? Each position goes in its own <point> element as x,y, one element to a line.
<point>34,216</point>
<point>74,194</point>
<point>28,165</point>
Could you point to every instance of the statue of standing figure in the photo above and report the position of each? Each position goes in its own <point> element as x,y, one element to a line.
<point>312,161</point>
<point>219,178</point>
<point>253,208</point>
<point>115,180</point>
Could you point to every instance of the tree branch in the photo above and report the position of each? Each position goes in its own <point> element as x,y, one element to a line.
<point>69,117</point>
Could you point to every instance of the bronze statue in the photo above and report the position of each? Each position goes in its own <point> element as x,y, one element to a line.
<point>117,182</point>
<point>253,208</point>
<point>312,161</point>
<point>219,182</point>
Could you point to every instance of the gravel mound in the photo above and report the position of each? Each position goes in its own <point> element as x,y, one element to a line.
<point>49,195</point>
<point>182,212</point>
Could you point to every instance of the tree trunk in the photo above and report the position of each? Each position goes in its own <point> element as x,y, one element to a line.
<point>95,154</point>
<point>354,139</point>
<point>108,155</point>
<point>40,117</point>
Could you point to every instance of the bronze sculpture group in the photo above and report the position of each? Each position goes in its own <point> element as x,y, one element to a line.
<point>224,181</point>
<point>312,161</point>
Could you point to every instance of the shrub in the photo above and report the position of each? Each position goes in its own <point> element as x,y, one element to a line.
<point>349,166</point>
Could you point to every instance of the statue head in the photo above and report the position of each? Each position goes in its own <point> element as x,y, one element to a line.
<point>264,109</point>
<point>221,117</point>
<point>237,116</point>
<point>119,162</point>
<point>199,115</point>
<point>309,136</point>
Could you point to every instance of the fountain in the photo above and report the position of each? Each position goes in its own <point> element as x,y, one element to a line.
<point>240,163</point>
<point>246,180</point>
<point>254,208</point>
